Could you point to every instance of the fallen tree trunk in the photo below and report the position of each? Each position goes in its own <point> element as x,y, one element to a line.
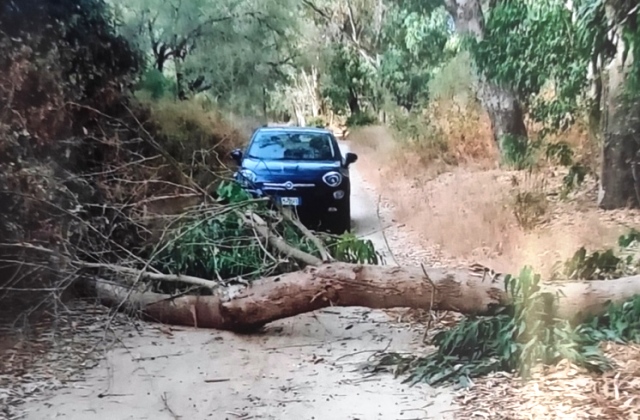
<point>342,284</point>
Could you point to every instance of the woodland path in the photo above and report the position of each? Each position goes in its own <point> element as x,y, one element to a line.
<point>303,368</point>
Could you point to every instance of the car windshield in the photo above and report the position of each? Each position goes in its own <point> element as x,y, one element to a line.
<point>292,146</point>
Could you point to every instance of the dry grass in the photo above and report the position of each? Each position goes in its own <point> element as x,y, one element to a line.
<point>466,214</point>
<point>446,135</point>
<point>198,136</point>
<point>561,392</point>
<point>444,182</point>
<point>580,138</point>
<point>472,213</point>
<point>190,122</point>
<point>530,203</point>
<point>467,131</point>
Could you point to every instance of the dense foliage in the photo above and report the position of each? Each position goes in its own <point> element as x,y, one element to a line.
<point>234,51</point>
<point>416,39</point>
<point>58,61</point>
<point>526,47</point>
<point>215,243</point>
<point>364,56</point>
<point>244,54</point>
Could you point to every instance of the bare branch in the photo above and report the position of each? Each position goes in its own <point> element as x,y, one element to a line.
<point>196,281</point>
<point>326,257</point>
<point>323,14</point>
<point>354,31</point>
<point>275,241</point>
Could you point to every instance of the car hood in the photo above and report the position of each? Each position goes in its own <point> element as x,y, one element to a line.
<point>289,170</point>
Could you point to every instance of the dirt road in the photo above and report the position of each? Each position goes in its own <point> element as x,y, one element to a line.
<point>302,368</point>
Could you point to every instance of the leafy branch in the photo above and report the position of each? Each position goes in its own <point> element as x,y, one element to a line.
<point>527,333</point>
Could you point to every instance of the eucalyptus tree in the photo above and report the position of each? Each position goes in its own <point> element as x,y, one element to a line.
<point>416,42</point>
<point>234,49</point>
<point>585,51</point>
<point>620,181</point>
<point>499,100</point>
<point>358,23</point>
<point>379,48</point>
<point>350,33</point>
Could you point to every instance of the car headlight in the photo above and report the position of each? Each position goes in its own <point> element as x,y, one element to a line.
<point>332,179</point>
<point>246,177</point>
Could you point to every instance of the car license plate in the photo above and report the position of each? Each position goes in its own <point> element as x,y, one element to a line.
<point>290,201</point>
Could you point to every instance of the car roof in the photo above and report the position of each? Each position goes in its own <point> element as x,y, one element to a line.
<point>294,129</point>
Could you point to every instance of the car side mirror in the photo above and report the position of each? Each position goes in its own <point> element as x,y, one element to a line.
<point>236,155</point>
<point>350,158</point>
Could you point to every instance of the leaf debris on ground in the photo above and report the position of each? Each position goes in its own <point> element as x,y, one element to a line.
<point>55,354</point>
<point>562,392</point>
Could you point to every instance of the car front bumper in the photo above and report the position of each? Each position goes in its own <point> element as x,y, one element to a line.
<point>317,202</point>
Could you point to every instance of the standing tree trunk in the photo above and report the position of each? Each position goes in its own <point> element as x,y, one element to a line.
<point>311,85</point>
<point>505,112</point>
<point>619,183</point>
<point>160,60</point>
<point>265,107</point>
<point>353,101</point>
<point>180,82</point>
<point>501,103</point>
<point>300,119</point>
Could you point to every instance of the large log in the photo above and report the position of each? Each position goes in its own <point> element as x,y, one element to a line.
<point>369,286</point>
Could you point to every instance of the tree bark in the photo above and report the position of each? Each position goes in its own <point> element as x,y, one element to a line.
<point>620,170</point>
<point>620,180</point>
<point>311,85</point>
<point>505,112</point>
<point>180,82</point>
<point>300,119</point>
<point>353,101</point>
<point>342,284</point>
<point>501,103</point>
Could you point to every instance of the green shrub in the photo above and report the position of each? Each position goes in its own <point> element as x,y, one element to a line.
<point>561,153</point>
<point>318,121</point>
<point>514,340</point>
<point>521,153</point>
<point>156,84</point>
<point>361,119</point>
<point>217,244</point>
<point>518,152</point>
<point>416,132</point>
<point>351,249</point>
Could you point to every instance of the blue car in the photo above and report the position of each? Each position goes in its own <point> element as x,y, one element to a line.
<point>301,168</point>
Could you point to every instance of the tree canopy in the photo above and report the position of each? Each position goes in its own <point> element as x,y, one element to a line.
<point>545,61</point>
<point>233,50</point>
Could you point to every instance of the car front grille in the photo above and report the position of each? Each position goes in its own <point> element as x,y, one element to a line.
<point>317,199</point>
<point>311,194</point>
<point>285,186</point>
